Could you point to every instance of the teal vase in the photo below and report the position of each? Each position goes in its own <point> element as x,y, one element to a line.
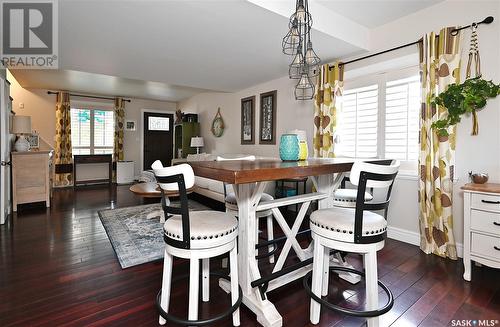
<point>289,147</point>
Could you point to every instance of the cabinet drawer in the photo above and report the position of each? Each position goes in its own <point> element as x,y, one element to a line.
<point>485,202</point>
<point>486,246</point>
<point>484,221</point>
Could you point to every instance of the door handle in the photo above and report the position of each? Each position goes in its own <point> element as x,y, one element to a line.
<point>5,163</point>
<point>490,202</point>
<point>496,247</point>
<point>496,224</point>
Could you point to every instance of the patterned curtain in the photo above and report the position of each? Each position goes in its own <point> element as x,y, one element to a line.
<point>328,89</point>
<point>119,122</point>
<point>62,148</point>
<point>439,67</point>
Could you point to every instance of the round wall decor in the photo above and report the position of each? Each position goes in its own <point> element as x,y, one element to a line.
<point>218,124</point>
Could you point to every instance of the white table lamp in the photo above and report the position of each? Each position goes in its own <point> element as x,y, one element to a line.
<point>21,125</point>
<point>197,142</point>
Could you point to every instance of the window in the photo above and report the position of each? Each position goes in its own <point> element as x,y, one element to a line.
<point>379,117</point>
<point>358,123</point>
<point>92,131</point>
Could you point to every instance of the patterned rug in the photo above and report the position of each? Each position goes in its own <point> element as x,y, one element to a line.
<point>135,238</point>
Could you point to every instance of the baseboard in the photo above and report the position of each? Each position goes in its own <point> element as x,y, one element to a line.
<point>413,238</point>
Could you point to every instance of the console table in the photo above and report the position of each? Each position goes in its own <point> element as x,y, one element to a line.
<point>481,225</point>
<point>90,159</point>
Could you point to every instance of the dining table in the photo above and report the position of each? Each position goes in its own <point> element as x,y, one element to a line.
<point>249,179</point>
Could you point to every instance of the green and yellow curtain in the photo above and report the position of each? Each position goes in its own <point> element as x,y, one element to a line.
<point>328,90</point>
<point>62,147</point>
<point>439,67</point>
<point>119,115</point>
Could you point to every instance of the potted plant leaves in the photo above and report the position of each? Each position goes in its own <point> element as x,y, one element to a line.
<point>465,98</point>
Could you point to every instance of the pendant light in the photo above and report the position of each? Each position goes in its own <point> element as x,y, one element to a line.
<point>297,43</point>
<point>295,69</point>
<point>291,41</point>
<point>305,88</point>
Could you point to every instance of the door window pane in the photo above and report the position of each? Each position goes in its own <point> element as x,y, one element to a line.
<point>158,123</point>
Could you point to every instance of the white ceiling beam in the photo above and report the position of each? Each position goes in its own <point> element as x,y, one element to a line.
<point>324,20</point>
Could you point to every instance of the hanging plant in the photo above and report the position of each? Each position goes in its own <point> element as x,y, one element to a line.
<point>465,98</point>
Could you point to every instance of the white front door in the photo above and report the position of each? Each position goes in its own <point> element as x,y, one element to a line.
<point>5,108</point>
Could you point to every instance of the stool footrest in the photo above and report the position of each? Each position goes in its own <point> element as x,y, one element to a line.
<point>185,322</point>
<point>349,312</point>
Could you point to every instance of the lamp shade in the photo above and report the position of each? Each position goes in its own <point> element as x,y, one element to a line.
<point>21,125</point>
<point>197,141</point>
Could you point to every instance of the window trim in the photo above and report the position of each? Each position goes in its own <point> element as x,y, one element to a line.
<point>381,79</point>
<point>92,107</point>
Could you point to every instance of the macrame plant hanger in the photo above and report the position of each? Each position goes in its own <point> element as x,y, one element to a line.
<point>475,60</point>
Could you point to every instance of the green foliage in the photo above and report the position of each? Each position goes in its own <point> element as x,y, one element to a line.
<point>460,99</point>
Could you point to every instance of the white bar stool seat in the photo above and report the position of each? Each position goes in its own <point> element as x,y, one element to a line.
<point>338,224</point>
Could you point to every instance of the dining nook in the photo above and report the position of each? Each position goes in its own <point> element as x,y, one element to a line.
<point>248,179</point>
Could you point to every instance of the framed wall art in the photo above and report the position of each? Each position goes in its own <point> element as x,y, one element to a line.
<point>130,125</point>
<point>248,120</point>
<point>267,128</point>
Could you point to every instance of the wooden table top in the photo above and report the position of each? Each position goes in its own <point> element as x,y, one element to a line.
<point>152,190</point>
<point>486,187</point>
<point>246,171</point>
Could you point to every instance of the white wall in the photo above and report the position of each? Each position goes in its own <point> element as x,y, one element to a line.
<point>479,153</point>
<point>291,114</point>
<point>42,107</point>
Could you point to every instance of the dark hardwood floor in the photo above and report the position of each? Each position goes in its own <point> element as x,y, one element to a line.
<point>57,267</point>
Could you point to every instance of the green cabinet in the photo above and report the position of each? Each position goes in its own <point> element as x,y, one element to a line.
<point>182,138</point>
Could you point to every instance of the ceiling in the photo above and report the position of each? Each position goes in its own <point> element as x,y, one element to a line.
<point>374,13</point>
<point>171,50</point>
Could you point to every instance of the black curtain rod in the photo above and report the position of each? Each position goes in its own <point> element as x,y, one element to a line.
<point>487,20</point>
<point>88,96</point>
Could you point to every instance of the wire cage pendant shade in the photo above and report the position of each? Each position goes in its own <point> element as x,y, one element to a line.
<point>305,88</point>
<point>291,41</point>
<point>301,14</point>
<point>311,57</point>
<point>297,65</point>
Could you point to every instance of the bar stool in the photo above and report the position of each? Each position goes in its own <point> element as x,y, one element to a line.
<point>232,207</point>
<point>352,230</point>
<point>196,235</point>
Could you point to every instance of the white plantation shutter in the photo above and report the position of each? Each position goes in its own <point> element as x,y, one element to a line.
<point>92,131</point>
<point>402,102</point>
<point>103,131</point>
<point>358,119</point>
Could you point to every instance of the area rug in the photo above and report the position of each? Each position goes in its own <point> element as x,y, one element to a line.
<point>135,238</point>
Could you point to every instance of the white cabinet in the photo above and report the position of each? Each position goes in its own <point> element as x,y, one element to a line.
<point>481,226</point>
